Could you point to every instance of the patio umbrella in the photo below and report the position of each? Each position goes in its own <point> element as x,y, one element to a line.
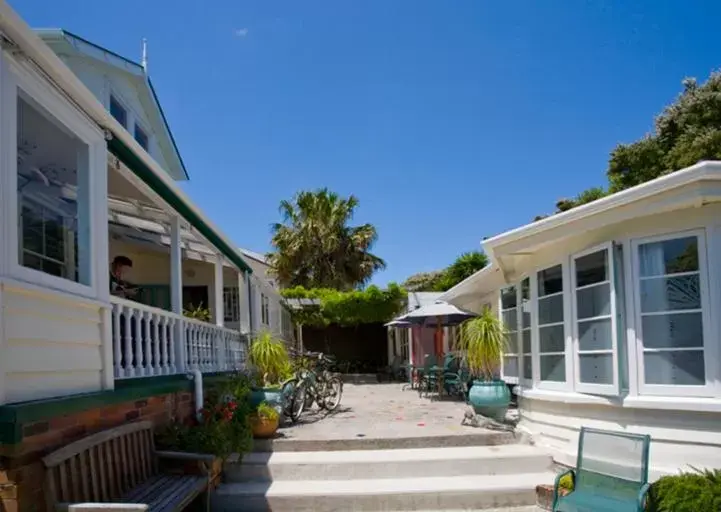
<point>439,314</point>
<point>399,323</point>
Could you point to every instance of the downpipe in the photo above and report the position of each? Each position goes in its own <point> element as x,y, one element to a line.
<point>197,377</point>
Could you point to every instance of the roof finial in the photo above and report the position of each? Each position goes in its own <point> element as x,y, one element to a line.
<point>144,61</point>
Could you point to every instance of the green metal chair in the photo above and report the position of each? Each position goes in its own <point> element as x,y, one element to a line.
<point>455,377</point>
<point>428,375</point>
<point>611,474</point>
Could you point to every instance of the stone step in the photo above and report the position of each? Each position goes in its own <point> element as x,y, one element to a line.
<point>469,492</point>
<point>376,464</point>
<point>483,438</point>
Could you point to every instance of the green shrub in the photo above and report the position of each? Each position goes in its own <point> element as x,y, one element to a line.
<point>269,356</point>
<point>267,411</point>
<point>697,491</point>
<point>223,427</point>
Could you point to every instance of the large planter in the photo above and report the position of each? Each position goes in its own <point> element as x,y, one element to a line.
<point>269,395</point>
<point>263,428</point>
<point>490,398</point>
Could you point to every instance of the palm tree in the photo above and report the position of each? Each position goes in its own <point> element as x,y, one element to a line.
<point>315,247</point>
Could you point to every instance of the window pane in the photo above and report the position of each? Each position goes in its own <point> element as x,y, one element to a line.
<point>596,368</point>
<point>526,336</point>
<point>527,367</point>
<point>553,368</point>
<point>141,137</point>
<point>510,366</point>
<point>509,319</point>
<point>594,301</point>
<point>683,368</point>
<point>591,268</point>
<point>680,330</point>
<point>509,298</point>
<point>595,335</point>
<point>552,339</point>
<point>669,256</point>
<point>512,342</point>
<point>526,302</point>
<point>550,281</point>
<point>52,168</point>
<point>118,112</point>
<point>670,293</point>
<point>550,310</point>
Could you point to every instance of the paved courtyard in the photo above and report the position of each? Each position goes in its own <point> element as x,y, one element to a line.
<point>382,411</point>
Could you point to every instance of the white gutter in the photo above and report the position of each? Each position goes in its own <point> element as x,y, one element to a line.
<point>700,171</point>
<point>15,29</point>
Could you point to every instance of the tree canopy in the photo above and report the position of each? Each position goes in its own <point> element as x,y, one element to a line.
<point>685,132</point>
<point>463,267</point>
<point>314,246</point>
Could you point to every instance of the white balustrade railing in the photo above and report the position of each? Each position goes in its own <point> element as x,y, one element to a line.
<point>149,341</point>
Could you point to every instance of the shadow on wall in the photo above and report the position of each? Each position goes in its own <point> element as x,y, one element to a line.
<point>358,349</point>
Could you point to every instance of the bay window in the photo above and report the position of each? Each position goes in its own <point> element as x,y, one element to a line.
<point>671,314</point>
<point>594,322</point>
<point>509,317</point>
<point>551,325</point>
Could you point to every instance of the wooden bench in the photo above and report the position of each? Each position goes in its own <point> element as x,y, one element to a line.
<point>118,470</point>
<point>611,474</point>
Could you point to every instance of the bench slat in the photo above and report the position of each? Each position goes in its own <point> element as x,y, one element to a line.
<point>166,492</point>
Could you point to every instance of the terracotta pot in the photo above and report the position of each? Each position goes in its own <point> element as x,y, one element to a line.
<point>263,428</point>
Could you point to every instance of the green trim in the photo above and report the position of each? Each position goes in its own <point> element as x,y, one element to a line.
<point>135,164</point>
<point>14,417</point>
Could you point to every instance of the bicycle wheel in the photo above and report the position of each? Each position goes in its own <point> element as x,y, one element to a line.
<point>286,395</point>
<point>333,392</point>
<point>297,402</point>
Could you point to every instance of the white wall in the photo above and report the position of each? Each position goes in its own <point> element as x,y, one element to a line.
<point>52,343</point>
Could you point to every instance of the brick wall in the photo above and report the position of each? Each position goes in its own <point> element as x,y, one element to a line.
<point>21,469</point>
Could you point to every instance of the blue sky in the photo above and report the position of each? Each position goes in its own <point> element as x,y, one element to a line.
<point>450,121</point>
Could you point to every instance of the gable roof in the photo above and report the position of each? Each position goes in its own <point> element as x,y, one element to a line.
<point>65,42</point>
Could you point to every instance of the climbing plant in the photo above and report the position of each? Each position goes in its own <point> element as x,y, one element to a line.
<point>370,305</point>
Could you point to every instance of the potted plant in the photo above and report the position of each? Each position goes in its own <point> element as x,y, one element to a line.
<point>483,341</point>
<point>269,357</point>
<point>264,421</point>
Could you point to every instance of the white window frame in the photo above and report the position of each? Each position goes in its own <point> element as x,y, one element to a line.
<point>525,380</point>
<point>567,384</point>
<point>708,389</point>
<point>612,389</point>
<point>504,377</point>
<point>17,80</point>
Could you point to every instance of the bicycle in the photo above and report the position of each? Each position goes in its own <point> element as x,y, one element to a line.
<point>317,385</point>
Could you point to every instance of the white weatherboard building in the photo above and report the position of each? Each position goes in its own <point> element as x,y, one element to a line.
<point>87,172</point>
<point>613,314</point>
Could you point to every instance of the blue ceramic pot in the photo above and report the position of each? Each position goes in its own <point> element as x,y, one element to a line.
<point>270,395</point>
<point>490,398</point>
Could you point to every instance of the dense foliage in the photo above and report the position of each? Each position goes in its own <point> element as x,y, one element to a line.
<point>688,492</point>
<point>686,132</point>
<point>462,268</point>
<point>223,427</point>
<point>371,305</point>
<point>270,358</point>
<point>315,247</point>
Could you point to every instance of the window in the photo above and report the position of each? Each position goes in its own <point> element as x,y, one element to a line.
<point>231,304</point>
<point>264,309</point>
<point>141,137</point>
<point>509,317</point>
<point>53,182</point>
<point>670,314</point>
<point>117,110</point>
<point>551,329</point>
<point>596,354</point>
<point>527,355</point>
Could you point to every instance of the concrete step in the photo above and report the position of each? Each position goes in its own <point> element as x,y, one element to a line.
<point>376,464</point>
<point>482,438</point>
<point>469,492</point>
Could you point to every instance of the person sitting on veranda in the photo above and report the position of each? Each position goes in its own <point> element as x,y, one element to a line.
<point>119,286</point>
